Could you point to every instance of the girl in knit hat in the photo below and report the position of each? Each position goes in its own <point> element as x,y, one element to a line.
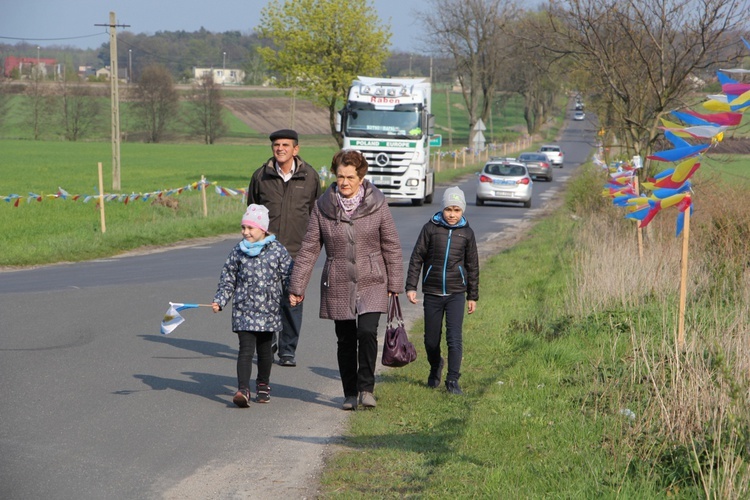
<point>254,275</point>
<point>446,255</point>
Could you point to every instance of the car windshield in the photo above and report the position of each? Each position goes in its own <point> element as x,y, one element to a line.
<point>505,170</point>
<point>549,148</point>
<point>532,158</point>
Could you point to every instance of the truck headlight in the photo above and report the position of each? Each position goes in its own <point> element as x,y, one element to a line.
<point>412,182</point>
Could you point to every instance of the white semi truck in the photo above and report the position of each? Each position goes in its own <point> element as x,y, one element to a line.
<point>389,121</point>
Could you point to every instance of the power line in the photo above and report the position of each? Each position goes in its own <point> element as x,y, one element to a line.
<point>27,39</point>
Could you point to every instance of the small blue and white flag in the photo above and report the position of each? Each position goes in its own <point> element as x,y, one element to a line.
<point>172,318</point>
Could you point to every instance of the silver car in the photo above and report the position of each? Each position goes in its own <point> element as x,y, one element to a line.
<point>504,180</point>
<point>537,164</point>
<point>554,153</point>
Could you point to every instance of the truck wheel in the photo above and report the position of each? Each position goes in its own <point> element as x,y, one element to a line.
<point>428,198</point>
<point>417,203</point>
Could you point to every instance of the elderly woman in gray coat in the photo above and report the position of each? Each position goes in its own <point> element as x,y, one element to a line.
<point>363,267</point>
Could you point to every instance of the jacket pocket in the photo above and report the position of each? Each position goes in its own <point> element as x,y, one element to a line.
<point>375,259</point>
<point>426,275</point>
<point>327,277</point>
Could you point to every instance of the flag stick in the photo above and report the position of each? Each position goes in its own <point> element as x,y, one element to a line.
<point>636,188</point>
<point>203,194</point>
<point>683,282</point>
<point>101,199</point>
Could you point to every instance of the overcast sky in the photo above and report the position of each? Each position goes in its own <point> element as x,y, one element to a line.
<point>72,22</point>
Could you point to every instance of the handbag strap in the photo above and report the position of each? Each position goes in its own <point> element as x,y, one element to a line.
<point>394,311</point>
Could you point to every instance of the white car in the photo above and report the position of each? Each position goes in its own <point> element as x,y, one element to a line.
<point>579,116</point>
<point>504,180</point>
<point>554,153</point>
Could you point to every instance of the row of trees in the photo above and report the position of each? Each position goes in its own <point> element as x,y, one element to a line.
<point>633,59</point>
<point>74,109</point>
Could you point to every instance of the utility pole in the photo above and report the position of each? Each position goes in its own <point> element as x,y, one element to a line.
<point>130,65</point>
<point>115,98</point>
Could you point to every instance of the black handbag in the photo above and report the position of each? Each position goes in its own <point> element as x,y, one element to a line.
<point>397,350</point>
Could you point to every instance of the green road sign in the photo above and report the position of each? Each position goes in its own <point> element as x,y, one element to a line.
<point>436,141</point>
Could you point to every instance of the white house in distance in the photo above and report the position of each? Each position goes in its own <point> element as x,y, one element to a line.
<point>222,76</point>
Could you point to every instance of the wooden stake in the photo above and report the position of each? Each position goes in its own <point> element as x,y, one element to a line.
<point>101,199</point>
<point>683,282</point>
<point>636,188</point>
<point>203,195</point>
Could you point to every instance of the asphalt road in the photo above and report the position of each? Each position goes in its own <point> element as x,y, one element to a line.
<point>97,404</point>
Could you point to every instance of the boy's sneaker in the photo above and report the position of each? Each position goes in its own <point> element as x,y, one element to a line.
<point>264,394</point>
<point>452,387</point>
<point>433,380</point>
<point>242,398</point>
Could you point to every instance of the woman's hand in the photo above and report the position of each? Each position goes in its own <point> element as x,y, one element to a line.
<point>215,307</point>
<point>295,299</point>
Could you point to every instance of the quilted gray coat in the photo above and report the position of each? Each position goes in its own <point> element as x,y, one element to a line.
<point>256,284</point>
<point>363,256</point>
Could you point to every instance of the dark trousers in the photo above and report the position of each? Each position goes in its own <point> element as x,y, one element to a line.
<point>291,321</point>
<point>450,307</point>
<point>249,341</point>
<point>357,352</point>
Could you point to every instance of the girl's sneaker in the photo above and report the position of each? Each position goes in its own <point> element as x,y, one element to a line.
<point>242,398</point>
<point>264,394</point>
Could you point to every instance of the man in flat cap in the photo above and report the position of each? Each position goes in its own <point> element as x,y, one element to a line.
<point>288,187</point>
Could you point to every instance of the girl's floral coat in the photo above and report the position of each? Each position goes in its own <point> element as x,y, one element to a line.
<point>257,284</point>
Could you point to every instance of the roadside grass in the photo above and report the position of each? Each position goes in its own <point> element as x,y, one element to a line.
<point>574,387</point>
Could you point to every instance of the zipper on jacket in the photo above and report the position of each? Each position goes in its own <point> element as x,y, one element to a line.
<point>445,262</point>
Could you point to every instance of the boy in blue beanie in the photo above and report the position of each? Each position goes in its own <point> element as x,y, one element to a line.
<point>446,255</point>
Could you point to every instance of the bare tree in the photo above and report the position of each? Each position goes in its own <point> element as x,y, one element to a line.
<point>469,32</point>
<point>79,108</point>
<point>155,101</point>
<point>530,70</point>
<point>205,111</point>
<point>638,55</point>
<point>38,104</point>
<point>4,103</point>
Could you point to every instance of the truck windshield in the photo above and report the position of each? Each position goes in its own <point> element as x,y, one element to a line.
<point>403,123</point>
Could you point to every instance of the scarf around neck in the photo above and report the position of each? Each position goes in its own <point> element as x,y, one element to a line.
<point>253,248</point>
<point>350,204</point>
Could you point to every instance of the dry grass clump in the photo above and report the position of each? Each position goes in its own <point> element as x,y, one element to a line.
<point>691,424</point>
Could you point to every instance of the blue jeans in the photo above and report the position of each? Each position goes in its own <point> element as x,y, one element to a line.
<point>450,307</point>
<point>291,321</point>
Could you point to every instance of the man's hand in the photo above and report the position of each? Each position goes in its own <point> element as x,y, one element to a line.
<point>412,296</point>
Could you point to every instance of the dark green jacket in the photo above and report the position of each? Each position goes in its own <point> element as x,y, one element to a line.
<point>289,203</point>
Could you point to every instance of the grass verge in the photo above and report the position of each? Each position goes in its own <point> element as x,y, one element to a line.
<point>574,388</point>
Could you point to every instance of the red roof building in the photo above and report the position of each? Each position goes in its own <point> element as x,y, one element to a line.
<point>13,62</point>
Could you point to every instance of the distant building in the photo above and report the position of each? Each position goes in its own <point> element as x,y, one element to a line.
<point>228,76</point>
<point>86,71</point>
<point>28,65</point>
